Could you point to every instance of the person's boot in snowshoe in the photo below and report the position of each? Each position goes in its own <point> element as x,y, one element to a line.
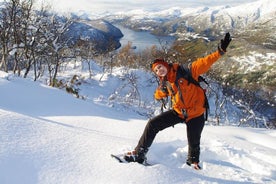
<point>193,160</point>
<point>136,156</point>
<point>195,165</point>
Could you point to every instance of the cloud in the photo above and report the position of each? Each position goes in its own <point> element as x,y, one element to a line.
<point>100,6</point>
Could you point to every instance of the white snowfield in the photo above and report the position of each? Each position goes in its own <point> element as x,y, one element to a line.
<point>49,137</point>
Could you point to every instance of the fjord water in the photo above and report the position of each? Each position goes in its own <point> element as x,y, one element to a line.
<point>143,39</point>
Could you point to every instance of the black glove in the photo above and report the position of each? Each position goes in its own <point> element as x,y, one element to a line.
<point>224,43</point>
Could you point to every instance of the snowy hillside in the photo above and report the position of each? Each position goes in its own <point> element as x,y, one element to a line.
<point>50,137</point>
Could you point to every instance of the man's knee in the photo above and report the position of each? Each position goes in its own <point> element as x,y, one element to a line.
<point>152,126</point>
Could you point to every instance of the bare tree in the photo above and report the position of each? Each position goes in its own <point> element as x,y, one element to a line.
<point>36,46</point>
<point>126,55</point>
<point>16,13</point>
<point>219,102</point>
<point>53,43</point>
<point>28,21</point>
<point>86,50</point>
<point>5,34</point>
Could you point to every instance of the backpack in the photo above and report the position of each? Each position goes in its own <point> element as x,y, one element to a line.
<point>185,72</point>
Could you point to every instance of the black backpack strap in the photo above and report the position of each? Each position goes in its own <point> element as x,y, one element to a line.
<point>185,72</point>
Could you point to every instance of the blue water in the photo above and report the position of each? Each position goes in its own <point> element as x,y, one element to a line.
<point>142,40</point>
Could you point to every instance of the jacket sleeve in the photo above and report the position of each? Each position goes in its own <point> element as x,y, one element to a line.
<point>202,65</point>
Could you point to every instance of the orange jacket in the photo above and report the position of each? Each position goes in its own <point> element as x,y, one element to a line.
<point>192,95</point>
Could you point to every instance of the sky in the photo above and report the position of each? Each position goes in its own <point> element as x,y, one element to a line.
<point>102,6</point>
<point>48,136</point>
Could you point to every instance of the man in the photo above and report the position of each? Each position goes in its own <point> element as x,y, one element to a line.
<point>188,105</point>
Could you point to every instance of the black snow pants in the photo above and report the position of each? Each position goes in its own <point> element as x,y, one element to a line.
<point>168,119</point>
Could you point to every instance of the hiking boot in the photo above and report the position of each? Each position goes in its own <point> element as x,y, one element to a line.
<point>195,165</point>
<point>134,156</point>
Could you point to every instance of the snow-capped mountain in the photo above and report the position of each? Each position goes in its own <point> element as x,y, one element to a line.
<point>200,20</point>
<point>99,32</point>
<point>211,22</point>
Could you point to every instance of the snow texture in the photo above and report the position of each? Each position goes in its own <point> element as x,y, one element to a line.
<point>48,136</point>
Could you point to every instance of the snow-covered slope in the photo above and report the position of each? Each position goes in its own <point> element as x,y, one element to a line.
<point>49,137</point>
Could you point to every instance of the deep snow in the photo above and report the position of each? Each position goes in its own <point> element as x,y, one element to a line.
<point>50,137</point>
